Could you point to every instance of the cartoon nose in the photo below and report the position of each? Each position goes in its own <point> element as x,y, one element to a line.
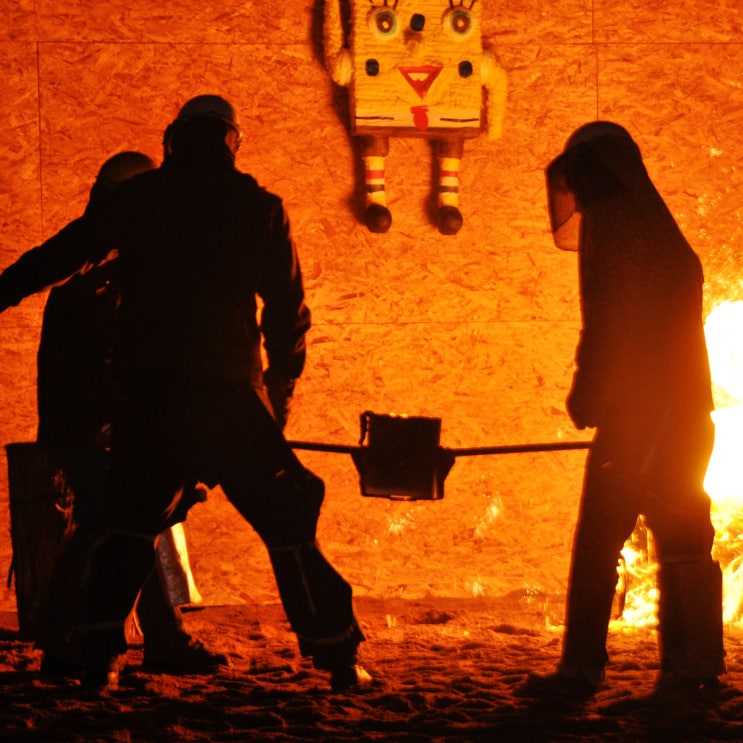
<point>417,22</point>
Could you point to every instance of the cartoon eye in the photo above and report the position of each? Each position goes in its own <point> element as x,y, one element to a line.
<point>458,23</point>
<point>383,22</point>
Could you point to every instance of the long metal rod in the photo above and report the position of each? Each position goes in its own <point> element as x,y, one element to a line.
<point>311,446</point>
<point>520,448</point>
<point>470,452</point>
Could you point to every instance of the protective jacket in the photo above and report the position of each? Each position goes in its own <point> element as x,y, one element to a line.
<point>75,381</point>
<point>199,244</point>
<point>642,349</point>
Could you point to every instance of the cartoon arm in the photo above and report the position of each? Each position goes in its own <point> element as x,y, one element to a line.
<point>337,56</point>
<point>494,80</point>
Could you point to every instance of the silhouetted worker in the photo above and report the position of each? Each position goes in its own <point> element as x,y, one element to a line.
<point>75,401</point>
<point>643,381</point>
<point>198,243</point>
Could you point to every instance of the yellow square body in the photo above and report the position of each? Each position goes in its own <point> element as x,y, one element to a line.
<point>416,68</point>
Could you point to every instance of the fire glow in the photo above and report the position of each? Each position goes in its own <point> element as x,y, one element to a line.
<point>723,483</point>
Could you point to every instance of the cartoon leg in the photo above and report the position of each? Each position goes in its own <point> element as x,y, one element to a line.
<point>374,150</point>
<point>448,217</point>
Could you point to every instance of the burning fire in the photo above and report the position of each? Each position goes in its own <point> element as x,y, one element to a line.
<point>723,482</point>
<point>636,591</point>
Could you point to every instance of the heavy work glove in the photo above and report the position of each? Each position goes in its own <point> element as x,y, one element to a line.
<point>280,391</point>
<point>581,404</point>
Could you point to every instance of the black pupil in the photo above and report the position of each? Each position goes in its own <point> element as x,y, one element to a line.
<point>460,23</point>
<point>385,22</point>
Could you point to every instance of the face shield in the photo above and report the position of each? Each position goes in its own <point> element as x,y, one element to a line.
<point>565,219</point>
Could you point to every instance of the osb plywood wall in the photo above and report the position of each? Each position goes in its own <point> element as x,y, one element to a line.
<point>478,329</point>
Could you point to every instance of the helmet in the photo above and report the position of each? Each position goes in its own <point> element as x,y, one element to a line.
<point>590,131</point>
<point>212,106</point>
<point>121,167</point>
<point>204,107</point>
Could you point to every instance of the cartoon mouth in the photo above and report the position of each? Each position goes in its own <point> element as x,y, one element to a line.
<point>420,78</point>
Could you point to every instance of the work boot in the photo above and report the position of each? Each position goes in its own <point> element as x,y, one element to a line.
<point>104,673</point>
<point>348,677</point>
<point>103,656</point>
<point>675,691</point>
<point>95,658</point>
<point>53,666</point>
<point>340,659</point>
<point>560,684</point>
<point>181,656</point>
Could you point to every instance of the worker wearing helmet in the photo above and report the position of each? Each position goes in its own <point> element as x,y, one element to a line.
<point>642,380</point>
<point>199,243</point>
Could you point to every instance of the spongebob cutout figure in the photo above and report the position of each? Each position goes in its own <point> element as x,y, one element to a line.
<point>415,68</point>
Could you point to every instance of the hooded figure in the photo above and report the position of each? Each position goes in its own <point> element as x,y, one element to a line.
<point>76,392</point>
<point>75,384</point>
<point>642,380</point>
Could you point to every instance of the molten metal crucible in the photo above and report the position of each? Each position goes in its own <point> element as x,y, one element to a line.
<point>399,456</point>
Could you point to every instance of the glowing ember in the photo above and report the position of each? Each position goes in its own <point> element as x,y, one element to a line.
<point>492,512</point>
